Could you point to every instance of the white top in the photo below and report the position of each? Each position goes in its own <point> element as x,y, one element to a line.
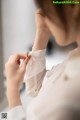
<point>52,90</point>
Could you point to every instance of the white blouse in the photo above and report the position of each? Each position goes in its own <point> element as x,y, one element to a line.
<point>52,90</point>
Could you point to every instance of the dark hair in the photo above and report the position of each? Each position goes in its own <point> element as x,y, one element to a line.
<point>58,11</point>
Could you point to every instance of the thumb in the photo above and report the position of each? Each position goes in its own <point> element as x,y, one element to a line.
<point>25,62</point>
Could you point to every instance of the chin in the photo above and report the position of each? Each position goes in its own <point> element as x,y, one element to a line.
<point>62,43</point>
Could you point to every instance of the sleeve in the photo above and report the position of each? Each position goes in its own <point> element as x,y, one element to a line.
<point>35,72</point>
<point>17,113</point>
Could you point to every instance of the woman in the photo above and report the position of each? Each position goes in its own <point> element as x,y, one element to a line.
<point>55,92</point>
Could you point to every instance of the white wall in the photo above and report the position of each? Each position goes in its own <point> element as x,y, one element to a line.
<point>18,17</point>
<point>2,94</point>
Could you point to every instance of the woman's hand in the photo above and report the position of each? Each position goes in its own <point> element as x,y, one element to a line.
<point>15,70</point>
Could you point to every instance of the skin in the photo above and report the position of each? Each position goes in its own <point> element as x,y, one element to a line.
<point>15,72</point>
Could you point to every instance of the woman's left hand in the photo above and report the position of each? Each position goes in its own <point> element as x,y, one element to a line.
<point>15,70</point>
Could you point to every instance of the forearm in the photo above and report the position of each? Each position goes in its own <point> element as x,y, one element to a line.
<point>41,39</point>
<point>13,98</point>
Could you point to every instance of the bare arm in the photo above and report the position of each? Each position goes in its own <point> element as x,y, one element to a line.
<point>42,31</point>
<point>41,39</point>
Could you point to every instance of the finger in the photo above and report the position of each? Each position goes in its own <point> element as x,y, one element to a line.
<point>10,57</point>
<point>16,58</point>
<point>19,56</point>
<point>23,56</point>
<point>25,62</point>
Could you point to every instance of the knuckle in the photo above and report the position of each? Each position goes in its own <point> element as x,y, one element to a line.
<point>16,55</point>
<point>10,58</point>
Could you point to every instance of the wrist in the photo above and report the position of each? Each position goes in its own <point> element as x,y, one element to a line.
<point>13,86</point>
<point>13,96</point>
<point>11,93</point>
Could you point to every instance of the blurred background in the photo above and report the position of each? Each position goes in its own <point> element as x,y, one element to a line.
<point>17,33</point>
